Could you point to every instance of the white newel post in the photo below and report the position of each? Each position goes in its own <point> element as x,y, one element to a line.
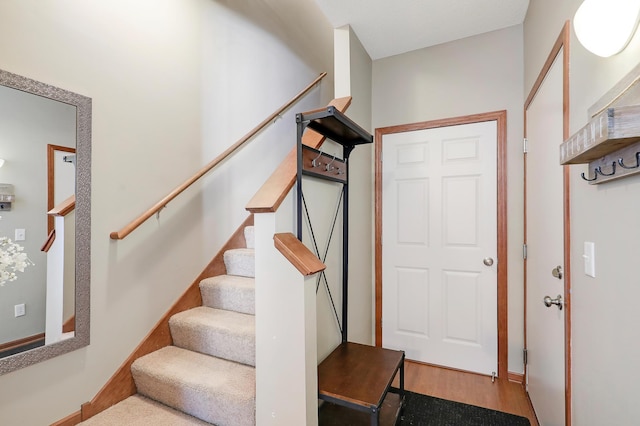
<point>55,285</point>
<point>286,347</point>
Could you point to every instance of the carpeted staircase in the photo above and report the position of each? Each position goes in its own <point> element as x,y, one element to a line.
<point>208,375</point>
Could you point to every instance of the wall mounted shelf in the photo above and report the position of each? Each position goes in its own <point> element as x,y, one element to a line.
<point>609,143</point>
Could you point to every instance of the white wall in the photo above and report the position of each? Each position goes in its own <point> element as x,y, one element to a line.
<point>353,68</point>
<point>604,309</point>
<point>173,82</point>
<point>361,194</point>
<point>473,75</point>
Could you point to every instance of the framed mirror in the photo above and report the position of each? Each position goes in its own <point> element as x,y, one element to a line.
<point>45,137</point>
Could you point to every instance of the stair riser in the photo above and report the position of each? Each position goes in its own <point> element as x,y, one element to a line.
<point>218,410</point>
<point>228,296</point>
<point>240,262</point>
<point>234,348</point>
<point>249,237</point>
<point>216,335</point>
<point>216,391</point>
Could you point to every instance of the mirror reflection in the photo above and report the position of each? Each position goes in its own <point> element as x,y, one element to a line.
<point>28,125</point>
<point>44,213</point>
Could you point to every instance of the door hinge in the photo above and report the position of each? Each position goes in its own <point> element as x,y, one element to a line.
<point>524,145</point>
<point>524,251</point>
<point>525,356</point>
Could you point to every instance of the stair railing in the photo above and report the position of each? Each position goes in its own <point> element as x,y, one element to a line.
<point>122,233</point>
<point>54,246</point>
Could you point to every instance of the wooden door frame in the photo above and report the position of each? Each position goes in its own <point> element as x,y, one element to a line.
<point>51,178</point>
<point>562,43</point>
<point>500,117</point>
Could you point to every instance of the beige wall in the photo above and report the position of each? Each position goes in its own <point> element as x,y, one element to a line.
<point>469,76</point>
<point>360,199</point>
<point>361,295</point>
<point>605,312</point>
<point>352,78</point>
<point>173,83</point>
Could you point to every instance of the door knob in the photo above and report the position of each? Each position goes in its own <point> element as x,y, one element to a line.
<point>488,261</point>
<point>548,301</point>
<point>557,272</point>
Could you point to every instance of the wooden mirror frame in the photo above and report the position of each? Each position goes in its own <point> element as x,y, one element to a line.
<point>83,222</point>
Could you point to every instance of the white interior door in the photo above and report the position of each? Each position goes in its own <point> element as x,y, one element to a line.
<point>545,249</point>
<point>439,207</point>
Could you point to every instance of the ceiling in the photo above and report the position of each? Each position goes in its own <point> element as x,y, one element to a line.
<point>391,27</point>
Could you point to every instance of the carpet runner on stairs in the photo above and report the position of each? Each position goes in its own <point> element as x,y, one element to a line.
<point>208,375</point>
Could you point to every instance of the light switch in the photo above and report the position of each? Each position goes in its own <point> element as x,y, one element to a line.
<point>589,257</point>
<point>21,235</point>
<point>19,310</point>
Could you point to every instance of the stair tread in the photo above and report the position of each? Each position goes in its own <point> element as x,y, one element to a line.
<point>213,389</point>
<point>229,292</point>
<point>242,250</point>
<point>213,316</point>
<point>138,410</point>
<point>217,332</point>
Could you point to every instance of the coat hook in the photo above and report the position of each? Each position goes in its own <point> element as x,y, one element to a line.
<point>613,170</point>
<point>329,167</point>
<point>595,175</point>
<point>621,163</point>
<point>315,162</point>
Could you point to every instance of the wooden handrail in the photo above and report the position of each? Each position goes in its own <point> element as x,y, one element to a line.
<point>298,254</point>
<point>118,235</point>
<point>49,241</point>
<point>275,189</point>
<point>64,208</point>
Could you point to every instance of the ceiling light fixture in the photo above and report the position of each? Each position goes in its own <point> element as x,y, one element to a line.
<point>605,27</point>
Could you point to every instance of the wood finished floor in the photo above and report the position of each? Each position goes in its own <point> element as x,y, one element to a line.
<point>469,388</point>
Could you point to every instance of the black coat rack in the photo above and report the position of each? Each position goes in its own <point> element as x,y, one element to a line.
<point>334,125</point>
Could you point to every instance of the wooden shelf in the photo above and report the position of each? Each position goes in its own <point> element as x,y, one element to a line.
<point>358,378</point>
<point>336,126</point>
<point>611,130</point>
<point>609,143</point>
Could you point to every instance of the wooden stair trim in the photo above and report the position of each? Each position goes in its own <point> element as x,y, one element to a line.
<point>49,242</point>
<point>69,325</point>
<point>64,208</point>
<point>275,189</point>
<point>298,254</point>
<point>71,420</point>
<point>13,344</point>
<point>121,385</point>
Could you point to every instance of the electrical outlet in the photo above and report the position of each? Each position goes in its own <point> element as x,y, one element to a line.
<point>21,235</point>
<point>19,310</point>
